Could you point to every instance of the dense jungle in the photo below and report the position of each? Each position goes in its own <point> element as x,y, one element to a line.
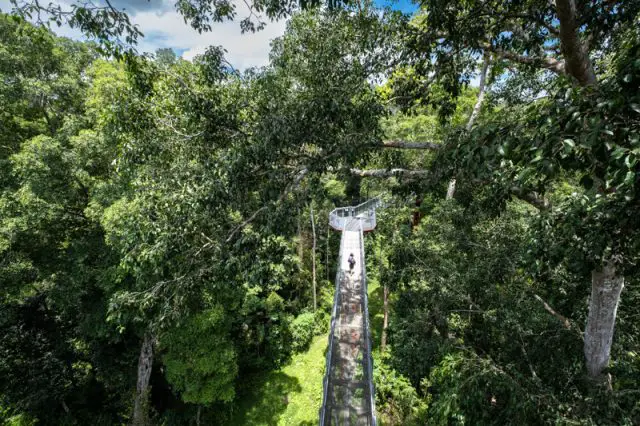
<point>166,256</point>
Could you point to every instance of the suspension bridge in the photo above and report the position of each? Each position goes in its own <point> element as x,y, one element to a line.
<point>348,383</point>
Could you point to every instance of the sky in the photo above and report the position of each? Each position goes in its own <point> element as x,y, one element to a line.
<point>163,27</point>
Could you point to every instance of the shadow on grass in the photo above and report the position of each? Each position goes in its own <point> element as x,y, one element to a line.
<point>266,400</point>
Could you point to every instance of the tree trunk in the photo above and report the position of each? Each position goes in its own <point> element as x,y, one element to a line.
<point>482,90</point>
<point>575,53</point>
<point>327,259</point>
<point>385,321</point>
<point>300,241</point>
<point>145,363</point>
<point>451,189</point>
<point>416,216</point>
<point>313,258</point>
<point>606,288</point>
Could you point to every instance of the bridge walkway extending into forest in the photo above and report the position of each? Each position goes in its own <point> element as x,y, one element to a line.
<point>348,383</point>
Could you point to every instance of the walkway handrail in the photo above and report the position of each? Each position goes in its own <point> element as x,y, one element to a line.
<point>367,330</point>
<point>357,219</point>
<point>336,296</point>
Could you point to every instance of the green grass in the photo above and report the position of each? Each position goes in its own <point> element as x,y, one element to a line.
<point>293,395</point>
<point>289,396</point>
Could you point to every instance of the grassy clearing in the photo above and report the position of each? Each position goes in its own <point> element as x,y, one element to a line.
<point>289,396</point>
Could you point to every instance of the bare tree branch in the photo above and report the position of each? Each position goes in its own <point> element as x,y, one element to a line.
<point>451,188</point>
<point>409,145</point>
<point>385,173</point>
<point>552,30</point>
<point>482,90</point>
<point>552,64</point>
<point>561,318</point>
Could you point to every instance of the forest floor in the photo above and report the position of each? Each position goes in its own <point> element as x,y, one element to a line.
<point>289,396</point>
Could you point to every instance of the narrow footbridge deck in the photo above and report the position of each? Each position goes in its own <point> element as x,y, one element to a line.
<point>348,382</point>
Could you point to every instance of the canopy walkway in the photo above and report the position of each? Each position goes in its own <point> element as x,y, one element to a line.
<point>348,383</point>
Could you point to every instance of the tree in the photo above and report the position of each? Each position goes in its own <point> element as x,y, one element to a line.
<point>200,359</point>
<point>561,40</point>
<point>208,166</point>
<point>54,265</point>
<point>165,57</point>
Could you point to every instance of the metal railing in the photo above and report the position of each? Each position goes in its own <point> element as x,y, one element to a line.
<point>367,330</point>
<point>360,400</point>
<point>336,301</point>
<point>365,211</point>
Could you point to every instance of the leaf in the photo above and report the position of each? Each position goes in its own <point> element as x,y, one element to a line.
<point>628,179</point>
<point>538,156</point>
<point>618,153</point>
<point>635,107</point>
<point>569,142</point>
<point>630,161</point>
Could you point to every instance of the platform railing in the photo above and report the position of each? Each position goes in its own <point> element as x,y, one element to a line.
<point>366,212</point>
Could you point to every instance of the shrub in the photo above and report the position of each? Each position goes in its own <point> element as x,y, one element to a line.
<point>302,330</point>
<point>322,321</point>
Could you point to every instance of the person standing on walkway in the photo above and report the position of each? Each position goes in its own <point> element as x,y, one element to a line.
<point>352,262</point>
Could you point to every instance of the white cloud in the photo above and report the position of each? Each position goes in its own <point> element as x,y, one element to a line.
<point>244,50</point>
<point>163,26</point>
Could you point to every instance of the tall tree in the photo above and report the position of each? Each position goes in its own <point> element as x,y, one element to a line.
<point>551,40</point>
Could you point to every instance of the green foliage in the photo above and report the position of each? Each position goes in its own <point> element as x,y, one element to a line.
<point>335,188</point>
<point>474,391</point>
<point>321,320</point>
<point>104,24</point>
<point>25,333</point>
<point>441,45</point>
<point>200,360</point>
<point>121,218</point>
<point>162,198</point>
<point>484,284</point>
<point>397,401</point>
<point>302,331</point>
<point>17,420</point>
<point>469,333</point>
<point>588,137</point>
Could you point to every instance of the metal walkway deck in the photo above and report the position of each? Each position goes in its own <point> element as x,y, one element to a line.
<point>348,382</point>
